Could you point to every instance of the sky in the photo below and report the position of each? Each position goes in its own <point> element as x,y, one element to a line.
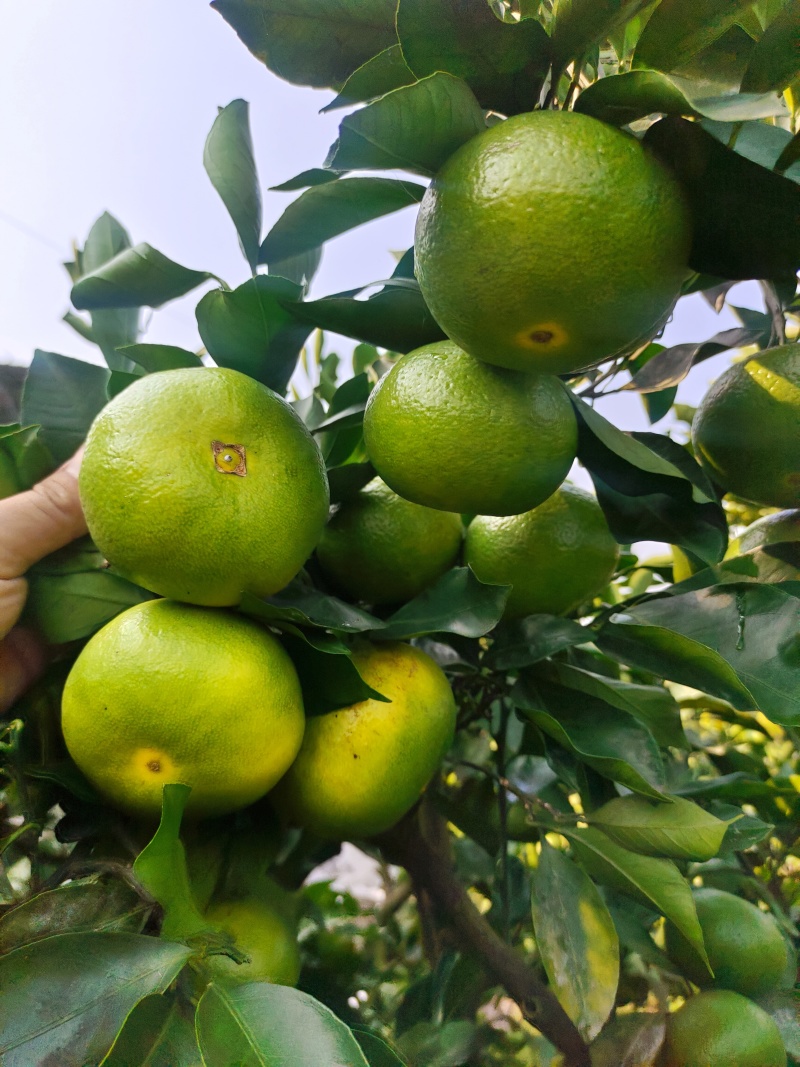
<point>105,106</point>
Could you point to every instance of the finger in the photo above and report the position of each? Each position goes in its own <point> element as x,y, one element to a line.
<point>22,660</point>
<point>36,523</point>
<point>13,592</point>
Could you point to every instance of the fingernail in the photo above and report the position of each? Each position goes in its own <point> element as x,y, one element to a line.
<point>73,465</point>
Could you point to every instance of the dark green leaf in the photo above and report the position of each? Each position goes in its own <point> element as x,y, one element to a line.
<point>775,62</point>
<point>346,480</point>
<point>416,128</point>
<point>720,65</point>
<point>24,458</point>
<point>73,606</point>
<point>754,628</point>
<point>231,166</point>
<point>262,1025</point>
<point>650,488</point>
<point>457,603</point>
<point>519,644</point>
<point>63,395</point>
<point>159,1032</point>
<point>670,366</point>
<point>306,606</point>
<point>744,831</point>
<point>679,29</point>
<point>580,24</point>
<point>396,317</point>
<point>576,940</point>
<point>328,682</point>
<point>74,908</point>
<point>65,998</point>
<point>605,738</point>
<point>378,76</point>
<point>759,142</point>
<point>680,830</point>
<point>789,156</point>
<point>79,325</point>
<point>298,269</point>
<point>161,869</point>
<point>306,179</point>
<point>746,218</point>
<point>138,277</point>
<point>503,63</point>
<point>250,329</point>
<point>312,42</point>
<point>622,98</point>
<point>110,329</point>
<point>654,882</point>
<point>324,211</point>
<point>451,1044</point>
<point>377,1051</point>
<point>160,357</point>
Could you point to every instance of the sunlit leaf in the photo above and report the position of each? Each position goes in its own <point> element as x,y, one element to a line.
<point>680,830</point>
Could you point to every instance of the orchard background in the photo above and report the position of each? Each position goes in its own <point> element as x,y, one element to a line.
<point>656,689</point>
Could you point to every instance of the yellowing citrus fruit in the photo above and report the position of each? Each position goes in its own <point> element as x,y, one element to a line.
<point>383,549</point>
<point>361,768</point>
<point>168,692</point>
<point>200,484</point>
<point>746,432</point>
<point>450,432</point>
<point>263,933</point>
<point>722,1029</point>
<point>550,242</point>
<point>555,557</point>
<point>745,947</point>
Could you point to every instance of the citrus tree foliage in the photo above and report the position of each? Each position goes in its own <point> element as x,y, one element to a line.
<point>603,762</point>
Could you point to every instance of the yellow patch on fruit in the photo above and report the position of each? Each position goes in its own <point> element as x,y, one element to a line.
<point>544,336</point>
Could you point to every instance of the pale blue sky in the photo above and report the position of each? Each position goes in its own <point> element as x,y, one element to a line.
<point>105,105</point>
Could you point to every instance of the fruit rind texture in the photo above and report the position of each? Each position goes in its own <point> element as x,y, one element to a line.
<point>722,1029</point>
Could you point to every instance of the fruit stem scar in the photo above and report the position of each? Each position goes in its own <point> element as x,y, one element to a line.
<point>229,459</point>
<point>154,766</point>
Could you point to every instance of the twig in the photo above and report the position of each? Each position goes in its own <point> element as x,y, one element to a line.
<point>421,843</point>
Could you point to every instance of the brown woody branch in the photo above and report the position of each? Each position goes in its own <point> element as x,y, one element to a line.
<point>421,843</point>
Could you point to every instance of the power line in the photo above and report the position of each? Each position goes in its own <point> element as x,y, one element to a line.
<point>28,231</point>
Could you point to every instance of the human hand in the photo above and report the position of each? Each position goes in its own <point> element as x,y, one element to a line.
<point>32,525</point>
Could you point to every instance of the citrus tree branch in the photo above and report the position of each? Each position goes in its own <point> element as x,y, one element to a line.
<point>421,843</point>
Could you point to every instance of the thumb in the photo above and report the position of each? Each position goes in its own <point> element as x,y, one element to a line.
<point>45,518</point>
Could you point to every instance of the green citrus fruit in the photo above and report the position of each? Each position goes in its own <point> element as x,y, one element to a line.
<point>778,528</point>
<point>450,432</point>
<point>202,484</point>
<point>745,946</point>
<point>551,242</point>
<point>746,432</point>
<point>361,768</point>
<point>383,549</point>
<point>168,692</point>
<point>263,933</point>
<point>555,557</point>
<point>722,1029</point>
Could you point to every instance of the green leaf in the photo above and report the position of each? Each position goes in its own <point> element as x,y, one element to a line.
<point>64,998</point>
<point>451,1044</point>
<point>137,277</point>
<point>649,487</point>
<point>789,156</point>
<point>231,166</point>
<point>416,128</point>
<point>775,62</point>
<point>595,732</point>
<point>302,605</point>
<point>757,141</point>
<point>346,480</point>
<point>306,179</point>
<point>161,869</point>
<point>325,211</point>
<point>746,219</point>
<point>63,395</point>
<point>519,644</point>
<point>680,830</point>
<point>77,907</point>
<point>671,655</point>
<point>153,358</point>
<point>576,940</point>
<point>679,29</point>
<point>503,63</point>
<point>620,99</point>
<point>754,628</point>
<point>744,831</point>
<point>580,24</point>
<point>783,1006</point>
<point>251,330</point>
<point>298,269</point>
<point>656,883</point>
<point>458,603</point>
<point>262,1025</point>
<point>653,705</point>
<point>24,458</point>
<point>670,366</point>
<point>329,679</point>
<point>377,1051</point>
<point>159,1032</point>
<point>71,607</point>
<point>396,317</point>
<point>110,329</point>
<point>312,42</point>
<point>378,76</point>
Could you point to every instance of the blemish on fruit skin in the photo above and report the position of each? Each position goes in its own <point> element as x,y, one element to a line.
<point>154,766</point>
<point>229,459</point>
